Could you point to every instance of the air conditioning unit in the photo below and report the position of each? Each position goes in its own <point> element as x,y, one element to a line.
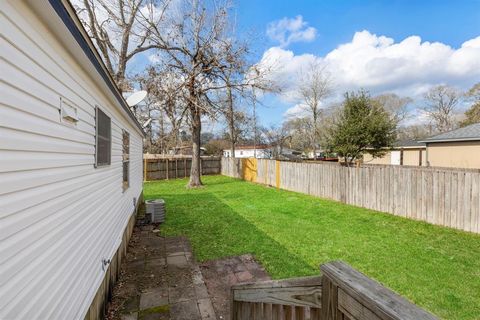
<point>155,210</point>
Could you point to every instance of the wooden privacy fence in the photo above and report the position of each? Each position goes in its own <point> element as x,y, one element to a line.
<point>177,167</point>
<point>341,293</point>
<point>442,196</point>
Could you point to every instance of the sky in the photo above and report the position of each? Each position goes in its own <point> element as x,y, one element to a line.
<point>404,47</point>
<point>396,46</point>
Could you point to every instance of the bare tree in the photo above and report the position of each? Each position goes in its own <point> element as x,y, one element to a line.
<point>199,48</point>
<point>441,103</point>
<point>277,138</point>
<point>120,30</point>
<point>299,129</point>
<point>472,115</point>
<point>195,51</point>
<point>241,79</point>
<point>233,75</point>
<point>473,94</point>
<point>314,87</point>
<point>193,41</point>
<point>165,91</point>
<point>414,132</point>
<point>238,128</point>
<point>396,106</point>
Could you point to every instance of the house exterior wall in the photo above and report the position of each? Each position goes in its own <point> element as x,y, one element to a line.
<point>411,157</point>
<point>454,154</point>
<point>367,158</point>
<point>59,215</point>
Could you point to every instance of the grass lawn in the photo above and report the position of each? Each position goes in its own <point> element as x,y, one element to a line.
<point>291,234</point>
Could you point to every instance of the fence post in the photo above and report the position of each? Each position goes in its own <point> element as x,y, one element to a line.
<point>277,174</point>
<point>144,169</point>
<point>166,162</point>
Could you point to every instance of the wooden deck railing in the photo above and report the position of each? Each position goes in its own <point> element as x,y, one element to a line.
<point>341,293</point>
<point>298,298</point>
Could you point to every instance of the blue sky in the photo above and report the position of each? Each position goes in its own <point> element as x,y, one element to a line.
<point>450,23</point>
<point>403,47</point>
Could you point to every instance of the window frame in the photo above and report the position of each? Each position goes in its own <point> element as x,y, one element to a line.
<point>109,162</point>
<point>125,160</point>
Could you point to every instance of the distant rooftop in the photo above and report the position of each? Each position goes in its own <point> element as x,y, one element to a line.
<point>409,143</point>
<point>247,147</point>
<point>468,133</point>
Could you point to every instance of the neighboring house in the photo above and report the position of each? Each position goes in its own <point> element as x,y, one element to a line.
<point>459,148</point>
<point>70,166</point>
<point>286,154</point>
<point>320,155</point>
<point>406,153</point>
<point>309,155</point>
<point>261,152</point>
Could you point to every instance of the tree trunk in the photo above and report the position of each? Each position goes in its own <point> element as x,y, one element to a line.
<point>195,173</point>
<point>231,121</point>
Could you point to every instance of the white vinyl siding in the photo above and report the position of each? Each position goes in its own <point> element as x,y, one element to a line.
<point>59,215</point>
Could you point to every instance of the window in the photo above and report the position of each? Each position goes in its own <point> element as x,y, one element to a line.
<point>103,139</point>
<point>126,158</point>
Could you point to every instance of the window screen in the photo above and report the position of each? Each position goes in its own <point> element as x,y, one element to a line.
<point>103,138</point>
<point>126,158</point>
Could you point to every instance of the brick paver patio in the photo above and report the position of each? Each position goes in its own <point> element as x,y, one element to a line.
<point>161,280</point>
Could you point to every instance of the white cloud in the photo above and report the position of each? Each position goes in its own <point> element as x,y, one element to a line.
<point>288,30</point>
<point>298,110</point>
<point>379,64</point>
<point>286,68</point>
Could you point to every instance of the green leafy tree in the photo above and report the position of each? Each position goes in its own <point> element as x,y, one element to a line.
<point>361,126</point>
<point>472,115</point>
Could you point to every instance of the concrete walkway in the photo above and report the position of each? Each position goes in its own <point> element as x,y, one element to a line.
<point>160,281</point>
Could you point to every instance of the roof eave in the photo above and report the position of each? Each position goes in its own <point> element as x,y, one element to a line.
<point>410,147</point>
<point>452,140</point>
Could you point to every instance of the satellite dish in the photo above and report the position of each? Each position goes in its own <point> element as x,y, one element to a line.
<point>147,123</point>
<point>136,98</point>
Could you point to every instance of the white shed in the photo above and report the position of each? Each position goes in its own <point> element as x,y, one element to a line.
<point>70,165</point>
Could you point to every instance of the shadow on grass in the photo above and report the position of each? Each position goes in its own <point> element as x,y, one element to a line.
<point>216,231</point>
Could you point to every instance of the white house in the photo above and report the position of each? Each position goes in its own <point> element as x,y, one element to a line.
<point>260,152</point>
<point>70,166</point>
